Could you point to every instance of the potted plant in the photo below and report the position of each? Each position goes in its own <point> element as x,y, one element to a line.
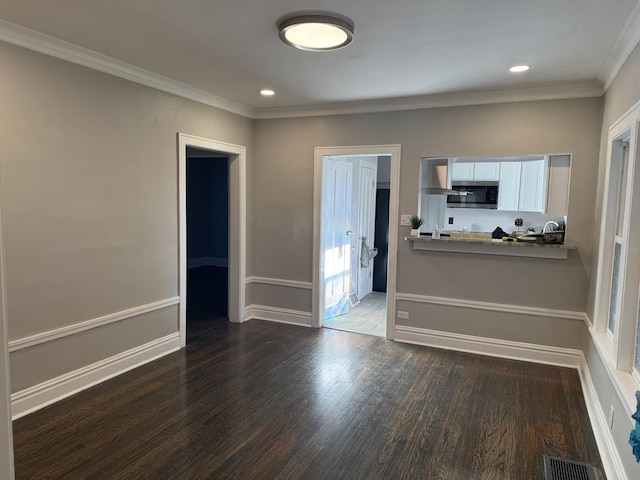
<point>416,223</point>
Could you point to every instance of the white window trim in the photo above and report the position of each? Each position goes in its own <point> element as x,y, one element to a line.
<point>617,351</point>
<point>625,383</point>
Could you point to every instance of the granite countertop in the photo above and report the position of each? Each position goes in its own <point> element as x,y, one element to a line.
<point>496,242</point>
<point>488,246</point>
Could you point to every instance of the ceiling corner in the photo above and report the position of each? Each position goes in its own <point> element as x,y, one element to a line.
<point>627,40</point>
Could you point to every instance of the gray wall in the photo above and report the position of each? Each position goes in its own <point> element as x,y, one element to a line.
<point>89,183</point>
<point>623,94</point>
<point>284,164</point>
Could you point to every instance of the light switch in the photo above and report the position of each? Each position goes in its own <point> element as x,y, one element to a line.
<point>405,220</point>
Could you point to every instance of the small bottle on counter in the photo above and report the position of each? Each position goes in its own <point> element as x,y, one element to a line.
<point>436,232</point>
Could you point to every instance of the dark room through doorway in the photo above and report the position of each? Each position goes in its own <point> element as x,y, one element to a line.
<point>207,238</point>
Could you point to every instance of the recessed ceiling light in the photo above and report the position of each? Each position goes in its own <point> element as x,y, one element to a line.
<point>316,33</point>
<point>519,68</point>
<point>267,92</point>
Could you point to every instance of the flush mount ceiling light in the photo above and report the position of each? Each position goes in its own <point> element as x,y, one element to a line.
<point>316,33</point>
<point>267,92</point>
<point>519,68</point>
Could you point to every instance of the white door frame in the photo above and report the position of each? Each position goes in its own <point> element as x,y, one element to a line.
<point>6,431</point>
<point>394,201</point>
<point>237,224</point>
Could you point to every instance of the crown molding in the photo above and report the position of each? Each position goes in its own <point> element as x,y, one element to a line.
<point>627,40</point>
<point>39,42</point>
<point>459,99</point>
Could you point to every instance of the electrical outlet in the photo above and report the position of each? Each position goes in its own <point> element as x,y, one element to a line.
<point>402,314</point>
<point>405,220</point>
<point>610,419</point>
<point>450,220</point>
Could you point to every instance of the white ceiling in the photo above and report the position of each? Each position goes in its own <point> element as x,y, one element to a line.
<point>404,48</point>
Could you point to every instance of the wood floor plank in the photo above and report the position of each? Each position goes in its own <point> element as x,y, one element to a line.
<point>270,401</point>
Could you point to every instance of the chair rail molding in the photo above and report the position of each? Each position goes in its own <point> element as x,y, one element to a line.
<point>280,282</point>
<point>48,336</point>
<point>494,307</point>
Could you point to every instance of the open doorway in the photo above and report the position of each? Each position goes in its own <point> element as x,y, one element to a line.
<point>355,201</point>
<point>207,238</point>
<point>235,158</point>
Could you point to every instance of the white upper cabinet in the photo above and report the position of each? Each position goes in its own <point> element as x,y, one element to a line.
<point>462,171</point>
<point>523,186</point>
<point>533,186</point>
<point>509,189</point>
<point>489,171</point>
<point>475,171</point>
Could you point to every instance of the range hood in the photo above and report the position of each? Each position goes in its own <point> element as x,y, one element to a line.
<point>434,178</point>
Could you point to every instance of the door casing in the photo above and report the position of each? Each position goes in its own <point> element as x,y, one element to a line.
<point>237,224</point>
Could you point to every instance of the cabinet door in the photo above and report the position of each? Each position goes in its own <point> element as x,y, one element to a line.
<point>509,189</point>
<point>487,171</point>
<point>532,186</point>
<point>462,171</point>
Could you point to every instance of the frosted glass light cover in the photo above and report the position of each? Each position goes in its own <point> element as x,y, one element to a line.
<point>316,33</point>
<point>317,36</point>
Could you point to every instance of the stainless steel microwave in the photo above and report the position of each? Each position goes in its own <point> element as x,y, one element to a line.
<point>474,195</point>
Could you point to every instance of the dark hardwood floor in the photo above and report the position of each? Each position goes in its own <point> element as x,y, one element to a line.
<point>269,401</point>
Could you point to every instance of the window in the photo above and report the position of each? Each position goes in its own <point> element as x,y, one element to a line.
<point>617,309</point>
<point>620,206</point>
<point>615,285</point>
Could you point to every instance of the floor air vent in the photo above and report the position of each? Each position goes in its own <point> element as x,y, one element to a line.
<point>561,469</point>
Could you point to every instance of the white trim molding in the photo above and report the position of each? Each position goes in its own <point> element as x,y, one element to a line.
<point>493,347</point>
<point>420,102</point>
<point>237,230</point>
<point>608,452</point>
<point>278,315</point>
<point>627,41</point>
<point>280,282</point>
<point>39,396</point>
<point>44,337</point>
<point>39,42</point>
<point>494,307</point>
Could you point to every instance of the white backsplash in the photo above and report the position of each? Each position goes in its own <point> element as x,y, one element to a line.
<point>481,220</point>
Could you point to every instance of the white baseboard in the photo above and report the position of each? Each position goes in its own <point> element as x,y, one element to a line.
<point>207,262</point>
<point>279,315</point>
<point>494,347</point>
<point>34,398</point>
<point>611,461</point>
